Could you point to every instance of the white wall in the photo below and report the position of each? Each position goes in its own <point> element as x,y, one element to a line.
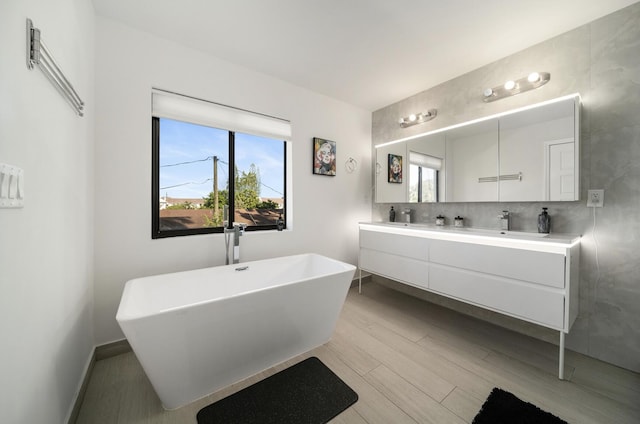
<point>325,209</point>
<point>46,248</point>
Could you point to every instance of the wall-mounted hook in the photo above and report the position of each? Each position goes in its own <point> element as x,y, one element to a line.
<point>351,165</point>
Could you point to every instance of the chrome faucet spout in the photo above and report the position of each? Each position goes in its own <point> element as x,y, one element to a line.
<point>237,230</point>
<point>505,221</point>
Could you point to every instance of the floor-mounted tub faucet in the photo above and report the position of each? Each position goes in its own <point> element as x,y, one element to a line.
<point>237,231</point>
<point>505,221</point>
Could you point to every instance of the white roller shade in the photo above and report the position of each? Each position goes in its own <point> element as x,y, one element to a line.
<point>425,161</point>
<point>188,109</point>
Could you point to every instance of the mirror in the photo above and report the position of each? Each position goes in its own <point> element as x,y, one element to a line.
<point>539,146</point>
<point>427,169</point>
<point>531,154</point>
<point>473,162</point>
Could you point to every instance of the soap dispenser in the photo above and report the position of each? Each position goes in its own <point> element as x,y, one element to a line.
<point>392,215</point>
<point>544,222</point>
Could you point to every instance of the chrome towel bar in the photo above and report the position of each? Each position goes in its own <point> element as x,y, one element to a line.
<point>38,54</point>
<point>509,177</point>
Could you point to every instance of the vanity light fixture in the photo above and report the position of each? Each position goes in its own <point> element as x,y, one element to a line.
<point>513,87</point>
<point>509,85</point>
<point>418,119</point>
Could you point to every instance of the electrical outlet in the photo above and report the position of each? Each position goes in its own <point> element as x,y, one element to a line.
<point>595,198</point>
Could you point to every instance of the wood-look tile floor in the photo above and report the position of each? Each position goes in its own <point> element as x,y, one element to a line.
<point>410,362</point>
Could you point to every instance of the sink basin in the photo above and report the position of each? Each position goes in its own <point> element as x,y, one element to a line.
<point>409,224</point>
<point>490,232</point>
<point>525,234</point>
<point>469,230</point>
<point>399,224</point>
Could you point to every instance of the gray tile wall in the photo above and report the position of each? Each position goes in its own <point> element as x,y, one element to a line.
<point>601,61</point>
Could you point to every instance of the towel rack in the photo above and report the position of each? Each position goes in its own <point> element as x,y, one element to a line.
<point>509,177</point>
<point>38,54</point>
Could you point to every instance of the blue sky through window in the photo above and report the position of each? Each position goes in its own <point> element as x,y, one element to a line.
<point>186,160</point>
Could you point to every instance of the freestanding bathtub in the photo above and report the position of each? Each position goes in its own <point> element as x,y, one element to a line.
<point>195,332</point>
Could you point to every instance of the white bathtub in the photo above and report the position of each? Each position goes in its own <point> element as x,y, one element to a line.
<point>198,331</point>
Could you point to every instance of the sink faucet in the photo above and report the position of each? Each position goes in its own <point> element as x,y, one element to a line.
<point>505,222</point>
<point>407,215</point>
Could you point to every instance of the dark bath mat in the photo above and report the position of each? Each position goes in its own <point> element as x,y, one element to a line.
<point>307,392</point>
<point>502,407</point>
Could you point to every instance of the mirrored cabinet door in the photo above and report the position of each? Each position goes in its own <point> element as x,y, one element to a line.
<point>391,173</point>
<point>538,159</point>
<point>427,169</point>
<point>528,155</point>
<point>472,157</point>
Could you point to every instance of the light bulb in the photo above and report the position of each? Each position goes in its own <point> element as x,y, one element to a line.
<point>509,85</point>
<point>401,121</point>
<point>533,77</point>
<point>488,92</point>
<point>412,117</point>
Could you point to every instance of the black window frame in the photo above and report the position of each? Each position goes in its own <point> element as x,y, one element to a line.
<point>437,183</point>
<point>156,233</point>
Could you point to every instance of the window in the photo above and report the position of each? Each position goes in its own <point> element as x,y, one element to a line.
<point>208,174</point>
<point>424,173</point>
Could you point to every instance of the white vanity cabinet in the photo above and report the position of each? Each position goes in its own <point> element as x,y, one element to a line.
<point>401,257</point>
<point>523,283</point>
<point>531,278</point>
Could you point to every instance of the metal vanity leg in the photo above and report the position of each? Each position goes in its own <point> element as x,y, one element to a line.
<point>561,358</point>
<point>359,281</point>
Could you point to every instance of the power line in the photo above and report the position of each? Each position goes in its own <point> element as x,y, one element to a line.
<point>187,183</point>
<point>271,188</point>
<point>208,158</point>
<point>186,163</point>
<point>211,179</point>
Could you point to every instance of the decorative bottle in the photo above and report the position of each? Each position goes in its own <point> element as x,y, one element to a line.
<point>544,221</point>
<point>392,215</point>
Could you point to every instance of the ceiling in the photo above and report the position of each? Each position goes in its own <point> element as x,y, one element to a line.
<point>369,53</point>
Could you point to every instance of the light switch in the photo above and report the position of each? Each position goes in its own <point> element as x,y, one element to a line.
<point>20,192</point>
<point>4,183</point>
<point>11,186</point>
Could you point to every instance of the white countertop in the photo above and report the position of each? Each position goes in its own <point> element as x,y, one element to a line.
<point>496,237</point>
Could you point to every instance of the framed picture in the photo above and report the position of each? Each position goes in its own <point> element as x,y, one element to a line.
<point>395,168</point>
<point>324,157</point>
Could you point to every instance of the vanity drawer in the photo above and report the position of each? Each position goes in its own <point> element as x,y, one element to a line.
<point>398,268</point>
<point>396,244</point>
<point>526,265</point>
<point>539,304</point>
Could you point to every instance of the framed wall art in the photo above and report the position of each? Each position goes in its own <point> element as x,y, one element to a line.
<point>395,168</point>
<point>324,157</point>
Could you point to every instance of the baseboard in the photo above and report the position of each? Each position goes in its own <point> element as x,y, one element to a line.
<point>99,352</point>
<point>75,411</point>
<point>109,350</point>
